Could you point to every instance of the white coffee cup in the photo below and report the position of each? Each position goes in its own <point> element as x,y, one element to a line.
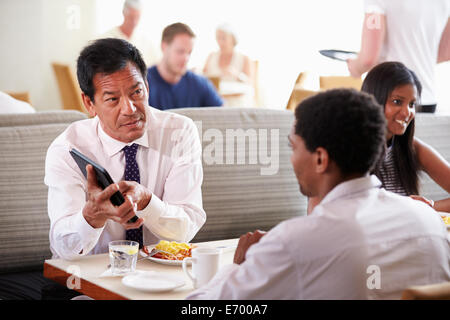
<point>205,264</point>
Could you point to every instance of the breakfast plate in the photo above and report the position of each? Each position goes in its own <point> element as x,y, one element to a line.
<point>166,248</point>
<point>167,262</point>
<point>151,281</point>
<point>162,261</point>
<point>446,218</point>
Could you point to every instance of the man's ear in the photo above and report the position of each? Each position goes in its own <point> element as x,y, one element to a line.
<point>88,104</point>
<point>322,160</point>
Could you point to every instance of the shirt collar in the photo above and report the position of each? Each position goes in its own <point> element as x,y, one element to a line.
<point>113,146</point>
<point>350,187</point>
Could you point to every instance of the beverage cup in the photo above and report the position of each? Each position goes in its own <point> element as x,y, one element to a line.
<point>123,256</point>
<point>205,264</point>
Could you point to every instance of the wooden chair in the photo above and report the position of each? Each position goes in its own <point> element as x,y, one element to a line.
<point>301,78</point>
<point>297,96</point>
<point>255,80</point>
<point>215,81</point>
<point>299,93</point>
<point>333,82</point>
<point>22,96</point>
<point>439,291</point>
<point>68,87</point>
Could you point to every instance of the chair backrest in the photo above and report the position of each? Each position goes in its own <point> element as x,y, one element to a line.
<point>439,291</point>
<point>297,96</point>
<point>298,93</point>
<point>301,78</point>
<point>215,81</point>
<point>333,82</point>
<point>22,96</point>
<point>255,80</point>
<point>68,88</point>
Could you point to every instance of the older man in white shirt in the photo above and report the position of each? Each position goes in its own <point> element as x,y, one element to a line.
<point>167,194</point>
<point>360,241</point>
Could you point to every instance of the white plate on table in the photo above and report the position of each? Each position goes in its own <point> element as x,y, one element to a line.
<point>168,262</point>
<point>151,281</point>
<point>224,249</point>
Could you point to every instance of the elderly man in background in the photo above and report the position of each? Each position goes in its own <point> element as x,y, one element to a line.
<point>171,84</point>
<point>129,30</point>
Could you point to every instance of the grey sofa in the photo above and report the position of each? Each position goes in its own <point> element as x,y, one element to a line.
<point>254,189</point>
<point>24,224</point>
<point>239,195</point>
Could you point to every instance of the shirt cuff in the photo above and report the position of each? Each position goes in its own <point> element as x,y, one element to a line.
<point>162,223</point>
<point>154,207</point>
<point>88,234</point>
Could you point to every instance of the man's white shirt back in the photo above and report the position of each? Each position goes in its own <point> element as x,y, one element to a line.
<point>169,160</point>
<point>331,253</point>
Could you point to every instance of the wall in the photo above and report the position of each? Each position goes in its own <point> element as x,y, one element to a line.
<point>284,35</point>
<point>21,31</point>
<point>33,34</point>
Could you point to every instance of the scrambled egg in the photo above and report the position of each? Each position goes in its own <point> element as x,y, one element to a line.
<point>446,220</point>
<point>172,246</point>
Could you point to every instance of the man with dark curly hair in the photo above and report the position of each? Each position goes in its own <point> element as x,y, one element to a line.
<point>351,246</point>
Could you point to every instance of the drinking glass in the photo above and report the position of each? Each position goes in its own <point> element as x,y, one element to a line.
<point>123,256</point>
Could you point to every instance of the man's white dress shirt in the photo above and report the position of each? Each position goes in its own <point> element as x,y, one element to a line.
<point>335,252</point>
<point>169,160</point>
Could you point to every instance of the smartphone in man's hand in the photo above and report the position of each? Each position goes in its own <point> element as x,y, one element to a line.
<point>103,177</point>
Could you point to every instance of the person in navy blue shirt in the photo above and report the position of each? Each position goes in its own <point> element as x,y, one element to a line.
<point>171,85</point>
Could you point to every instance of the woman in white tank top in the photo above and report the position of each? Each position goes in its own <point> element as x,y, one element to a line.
<point>232,68</point>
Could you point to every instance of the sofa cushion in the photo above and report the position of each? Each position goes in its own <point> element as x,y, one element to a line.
<point>39,118</point>
<point>435,131</point>
<point>254,189</point>
<point>24,222</point>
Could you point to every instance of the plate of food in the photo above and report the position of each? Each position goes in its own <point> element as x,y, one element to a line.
<point>168,252</point>
<point>446,218</point>
<point>339,54</point>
